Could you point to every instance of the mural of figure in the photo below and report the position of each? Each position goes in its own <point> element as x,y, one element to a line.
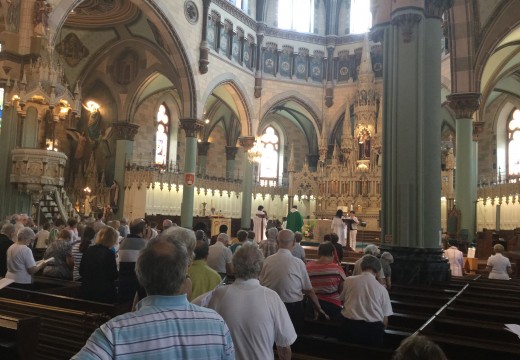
<point>41,12</point>
<point>13,15</point>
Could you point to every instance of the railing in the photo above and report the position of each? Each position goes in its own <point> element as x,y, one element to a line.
<point>499,186</point>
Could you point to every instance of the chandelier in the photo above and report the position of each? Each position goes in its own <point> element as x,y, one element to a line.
<point>256,152</point>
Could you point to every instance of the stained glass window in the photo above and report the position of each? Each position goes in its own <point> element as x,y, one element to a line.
<point>513,144</point>
<point>270,155</point>
<point>1,106</point>
<point>161,135</point>
<point>297,15</point>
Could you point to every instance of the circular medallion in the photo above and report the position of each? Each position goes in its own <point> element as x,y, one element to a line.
<point>246,55</point>
<point>223,44</point>
<point>301,68</point>
<point>378,66</point>
<point>235,49</point>
<point>316,70</point>
<point>343,70</point>
<point>191,12</point>
<point>285,66</point>
<point>269,63</point>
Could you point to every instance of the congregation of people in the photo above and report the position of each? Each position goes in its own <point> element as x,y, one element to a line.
<point>193,296</point>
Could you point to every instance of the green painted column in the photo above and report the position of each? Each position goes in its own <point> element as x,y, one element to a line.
<point>231,153</point>
<point>124,133</point>
<point>11,200</point>
<point>202,148</point>
<point>411,183</point>
<point>191,128</point>
<point>464,105</point>
<point>247,142</point>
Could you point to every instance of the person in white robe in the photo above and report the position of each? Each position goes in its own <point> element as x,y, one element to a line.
<point>260,224</point>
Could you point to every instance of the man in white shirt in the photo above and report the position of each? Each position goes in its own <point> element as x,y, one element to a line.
<point>219,257</point>
<point>253,332</point>
<point>366,306</point>
<point>352,229</point>
<point>287,275</point>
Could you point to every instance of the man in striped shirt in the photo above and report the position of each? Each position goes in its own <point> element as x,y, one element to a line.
<point>165,325</point>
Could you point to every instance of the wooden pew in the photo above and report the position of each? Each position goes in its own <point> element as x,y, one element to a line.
<point>18,335</point>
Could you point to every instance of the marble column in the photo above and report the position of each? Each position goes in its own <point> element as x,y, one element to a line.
<point>411,214</point>
<point>231,153</point>
<point>464,105</point>
<point>124,134</point>
<point>247,142</point>
<point>191,128</point>
<point>202,148</point>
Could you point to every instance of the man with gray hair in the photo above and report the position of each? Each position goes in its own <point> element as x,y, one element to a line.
<point>166,224</point>
<point>287,275</point>
<point>165,325</point>
<point>253,332</point>
<point>366,306</point>
<point>269,246</point>
<point>219,257</point>
<point>6,234</point>
<point>370,250</point>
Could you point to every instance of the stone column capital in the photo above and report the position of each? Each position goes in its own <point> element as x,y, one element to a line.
<point>203,148</point>
<point>464,104</point>
<point>124,130</point>
<point>191,126</point>
<point>231,152</point>
<point>435,8</point>
<point>246,142</point>
<point>406,23</point>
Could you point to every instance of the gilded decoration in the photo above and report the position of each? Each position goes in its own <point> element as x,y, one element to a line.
<point>72,49</point>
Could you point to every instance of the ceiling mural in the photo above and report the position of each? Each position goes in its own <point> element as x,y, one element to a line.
<point>92,13</point>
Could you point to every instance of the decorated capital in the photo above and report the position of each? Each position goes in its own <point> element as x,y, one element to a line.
<point>464,104</point>
<point>192,126</point>
<point>124,130</point>
<point>203,148</point>
<point>246,142</point>
<point>231,152</point>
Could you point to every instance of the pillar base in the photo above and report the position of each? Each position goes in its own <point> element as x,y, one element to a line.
<point>417,266</point>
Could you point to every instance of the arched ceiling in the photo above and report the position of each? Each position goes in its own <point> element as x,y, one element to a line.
<point>501,72</point>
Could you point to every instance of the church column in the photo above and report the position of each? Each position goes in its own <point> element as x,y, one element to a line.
<point>411,134</point>
<point>231,153</point>
<point>124,134</point>
<point>464,105</point>
<point>191,128</point>
<point>203,148</point>
<point>203,48</point>
<point>247,142</point>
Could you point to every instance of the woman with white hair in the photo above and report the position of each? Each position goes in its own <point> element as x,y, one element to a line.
<point>20,260</point>
<point>498,265</point>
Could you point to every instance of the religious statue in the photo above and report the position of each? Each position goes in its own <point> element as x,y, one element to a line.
<point>94,125</point>
<point>364,144</point>
<point>41,12</point>
<point>13,15</point>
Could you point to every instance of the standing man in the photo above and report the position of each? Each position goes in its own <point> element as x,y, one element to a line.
<point>352,229</point>
<point>366,306</point>
<point>270,324</point>
<point>294,220</point>
<point>219,257</point>
<point>260,224</point>
<point>165,325</point>
<point>287,275</point>
<point>128,253</point>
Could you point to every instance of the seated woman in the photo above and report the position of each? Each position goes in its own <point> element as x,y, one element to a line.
<point>327,280</point>
<point>20,261</point>
<point>98,268</point>
<point>498,265</point>
<point>455,257</point>
<point>80,248</point>
<point>61,251</point>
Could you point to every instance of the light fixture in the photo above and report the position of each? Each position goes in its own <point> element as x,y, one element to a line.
<point>206,121</point>
<point>92,106</point>
<point>256,152</point>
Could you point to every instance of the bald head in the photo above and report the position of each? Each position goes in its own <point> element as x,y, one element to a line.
<point>166,224</point>
<point>285,239</point>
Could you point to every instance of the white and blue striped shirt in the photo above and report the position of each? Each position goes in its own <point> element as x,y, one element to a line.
<point>163,327</point>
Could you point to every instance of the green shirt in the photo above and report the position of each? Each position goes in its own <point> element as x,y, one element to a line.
<point>294,221</point>
<point>203,278</point>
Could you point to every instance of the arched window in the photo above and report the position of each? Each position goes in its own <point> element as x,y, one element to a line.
<point>269,164</point>
<point>360,16</point>
<point>513,144</point>
<point>241,4</point>
<point>297,15</point>
<point>162,135</point>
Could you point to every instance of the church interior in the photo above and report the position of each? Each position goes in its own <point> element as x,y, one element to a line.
<point>406,112</point>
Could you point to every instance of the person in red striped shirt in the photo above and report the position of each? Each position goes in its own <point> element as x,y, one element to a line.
<point>327,280</point>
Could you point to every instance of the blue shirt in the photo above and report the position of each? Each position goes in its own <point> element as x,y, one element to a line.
<point>163,327</point>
